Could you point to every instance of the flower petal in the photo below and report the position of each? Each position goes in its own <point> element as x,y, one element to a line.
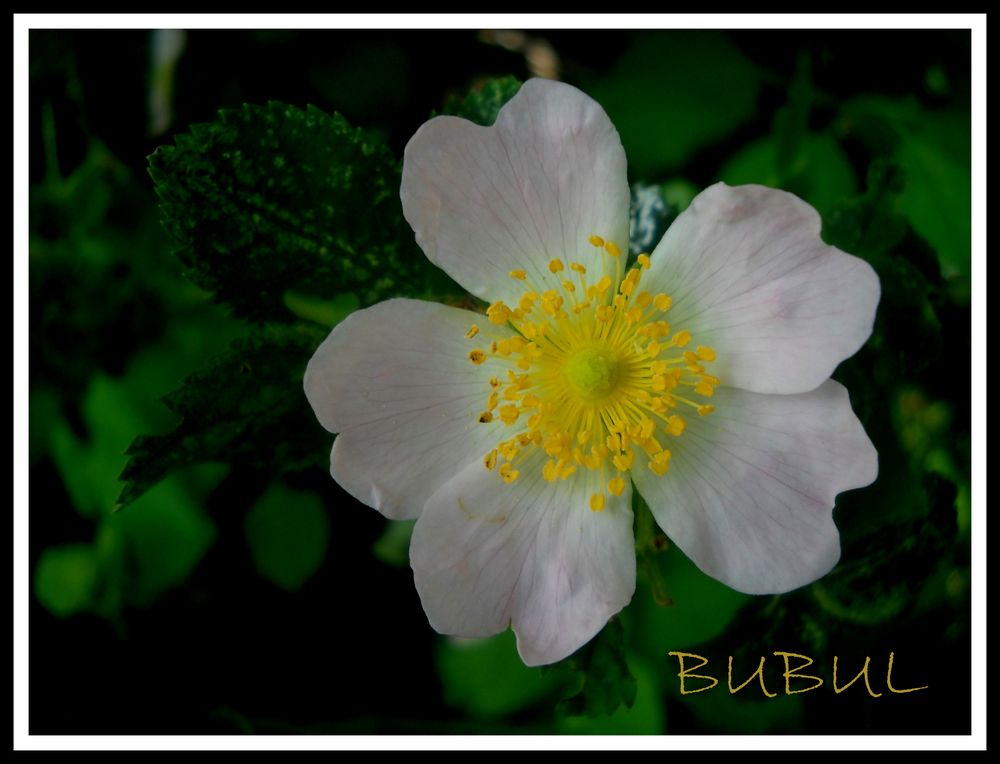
<point>484,201</point>
<point>531,554</point>
<point>750,487</point>
<point>396,382</point>
<point>751,278</point>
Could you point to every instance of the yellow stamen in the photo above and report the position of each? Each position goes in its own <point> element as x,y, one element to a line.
<point>490,460</point>
<point>597,376</point>
<point>616,486</point>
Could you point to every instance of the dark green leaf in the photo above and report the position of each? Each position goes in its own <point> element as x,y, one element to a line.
<point>247,408</point>
<point>271,198</point>
<point>673,93</point>
<point>604,681</point>
<point>933,151</point>
<point>65,578</point>
<point>487,679</point>
<point>288,533</point>
<point>482,104</point>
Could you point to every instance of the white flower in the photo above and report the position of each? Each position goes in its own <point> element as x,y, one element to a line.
<point>700,378</point>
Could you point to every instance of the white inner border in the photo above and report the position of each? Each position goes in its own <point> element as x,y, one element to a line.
<point>22,575</point>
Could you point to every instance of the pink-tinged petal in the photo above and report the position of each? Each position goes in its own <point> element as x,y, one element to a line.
<point>531,555</point>
<point>751,486</point>
<point>396,382</point>
<point>751,278</point>
<point>484,201</point>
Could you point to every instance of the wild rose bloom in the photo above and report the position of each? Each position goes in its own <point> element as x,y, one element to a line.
<point>699,377</point>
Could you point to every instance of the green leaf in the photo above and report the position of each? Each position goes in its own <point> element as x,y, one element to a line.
<point>647,716</point>
<point>65,579</point>
<point>933,150</point>
<point>486,678</point>
<point>482,104</point>
<point>393,546</point>
<point>673,93</point>
<point>271,198</point>
<point>603,680</point>
<point>288,533</point>
<point>247,407</point>
<point>818,172</point>
<point>163,537</point>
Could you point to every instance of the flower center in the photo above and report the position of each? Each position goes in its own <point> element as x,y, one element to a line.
<point>593,377</point>
<point>592,372</point>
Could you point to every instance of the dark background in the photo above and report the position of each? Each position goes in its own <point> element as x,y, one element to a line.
<point>167,621</point>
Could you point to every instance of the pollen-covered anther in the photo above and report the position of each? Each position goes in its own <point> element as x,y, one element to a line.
<point>591,376</point>
<point>660,463</point>
<point>498,313</point>
<point>508,473</point>
<point>616,486</point>
<point>490,460</point>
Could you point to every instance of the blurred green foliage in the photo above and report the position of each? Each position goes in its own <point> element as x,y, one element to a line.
<point>285,219</point>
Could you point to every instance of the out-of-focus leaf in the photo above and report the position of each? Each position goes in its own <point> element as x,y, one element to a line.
<point>248,407</point>
<point>393,546</point>
<point>163,536</point>
<point>673,93</point>
<point>702,607</point>
<point>934,152</point>
<point>288,533</point>
<point>94,293</point>
<point>321,311</point>
<point>272,198</point>
<point>818,172</point>
<point>482,104</point>
<point>603,681</point>
<point>486,678</point>
<point>65,579</point>
<point>383,86</point>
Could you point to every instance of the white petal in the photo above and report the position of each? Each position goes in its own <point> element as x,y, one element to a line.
<point>395,381</point>
<point>751,278</point>
<point>750,489</point>
<point>484,201</point>
<point>530,554</point>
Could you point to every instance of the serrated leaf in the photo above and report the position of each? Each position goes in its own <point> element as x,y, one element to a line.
<point>247,407</point>
<point>271,198</point>
<point>482,104</point>
<point>604,681</point>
